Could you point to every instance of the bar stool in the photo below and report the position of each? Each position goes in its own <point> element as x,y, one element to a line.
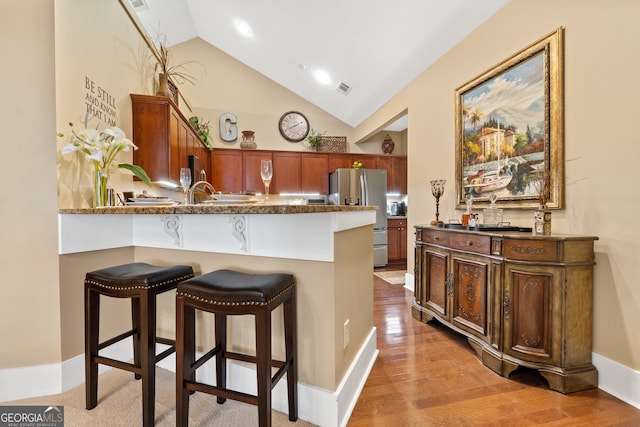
<point>227,292</point>
<point>142,283</point>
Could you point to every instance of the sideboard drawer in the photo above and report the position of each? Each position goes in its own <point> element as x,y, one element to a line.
<point>470,243</point>
<point>435,236</point>
<point>531,250</point>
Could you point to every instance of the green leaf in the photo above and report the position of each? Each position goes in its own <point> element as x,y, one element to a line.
<point>137,171</point>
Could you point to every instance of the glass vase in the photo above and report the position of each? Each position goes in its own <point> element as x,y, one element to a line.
<point>100,186</point>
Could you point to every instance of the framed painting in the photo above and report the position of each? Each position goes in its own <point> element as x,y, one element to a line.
<point>510,130</point>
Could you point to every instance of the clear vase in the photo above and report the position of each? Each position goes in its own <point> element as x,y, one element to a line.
<point>100,186</point>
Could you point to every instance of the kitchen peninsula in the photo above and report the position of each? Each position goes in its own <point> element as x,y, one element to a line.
<point>327,248</point>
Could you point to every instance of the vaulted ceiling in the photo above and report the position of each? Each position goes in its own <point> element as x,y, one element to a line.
<point>372,48</point>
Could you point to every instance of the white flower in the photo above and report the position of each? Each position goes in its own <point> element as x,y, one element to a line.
<point>102,147</point>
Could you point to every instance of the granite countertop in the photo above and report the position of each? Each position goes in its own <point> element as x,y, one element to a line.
<point>217,209</point>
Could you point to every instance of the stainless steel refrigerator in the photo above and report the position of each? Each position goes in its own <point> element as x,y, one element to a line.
<point>366,187</point>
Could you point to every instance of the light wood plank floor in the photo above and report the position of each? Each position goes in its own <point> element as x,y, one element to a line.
<point>426,375</point>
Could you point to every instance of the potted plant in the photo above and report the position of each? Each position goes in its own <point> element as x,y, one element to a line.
<point>315,139</point>
<point>167,69</point>
<point>202,128</point>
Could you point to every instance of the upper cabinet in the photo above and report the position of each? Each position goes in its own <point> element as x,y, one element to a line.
<point>236,170</point>
<point>165,140</point>
<point>315,173</point>
<point>226,170</point>
<point>396,167</point>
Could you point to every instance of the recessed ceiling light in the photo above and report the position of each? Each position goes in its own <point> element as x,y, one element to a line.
<point>322,76</point>
<point>243,28</point>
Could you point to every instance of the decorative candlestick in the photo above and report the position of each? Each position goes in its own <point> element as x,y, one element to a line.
<point>437,189</point>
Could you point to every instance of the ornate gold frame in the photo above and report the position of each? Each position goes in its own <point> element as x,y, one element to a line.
<point>551,48</point>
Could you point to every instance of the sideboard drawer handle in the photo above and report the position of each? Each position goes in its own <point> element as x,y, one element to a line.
<point>435,238</point>
<point>469,243</point>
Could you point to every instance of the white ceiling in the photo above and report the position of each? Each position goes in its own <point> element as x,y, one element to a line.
<point>376,47</point>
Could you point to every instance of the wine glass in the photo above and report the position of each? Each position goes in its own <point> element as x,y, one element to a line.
<point>185,181</point>
<point>266,172</point>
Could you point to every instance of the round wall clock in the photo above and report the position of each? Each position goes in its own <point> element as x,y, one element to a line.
<point>293,126</point>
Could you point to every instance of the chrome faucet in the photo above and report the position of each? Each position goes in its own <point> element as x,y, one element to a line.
<point>204,184</point>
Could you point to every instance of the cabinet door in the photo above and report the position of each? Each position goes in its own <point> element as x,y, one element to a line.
<point>402,235</point>
<point>435,274</point>
<point>398,175</point>
<point>396,167</point>
<point>397,239</point>
<point>175,162</point>
<point>368,161</point>
<point>393,242</point>
<point>151,135</point>
<point>252,181</point>
<point>315,173</point>
<point>340,160</point>
<point>471,277</point>
<point>531,297</point>
<point>226,170</point>
<point>287,173</point>
<point>204,160</point>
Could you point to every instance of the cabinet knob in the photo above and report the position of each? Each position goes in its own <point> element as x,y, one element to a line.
<point>469,243</point>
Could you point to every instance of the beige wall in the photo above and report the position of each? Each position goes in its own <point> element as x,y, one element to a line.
<point>29,295</point>
<point>601,140</point>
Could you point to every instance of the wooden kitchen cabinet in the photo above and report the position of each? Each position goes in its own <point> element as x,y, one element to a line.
<point>396,167</point>
<point>287,172</point>
<point>315,173</point>
<point>165,139</point>
<point>521,300</point>
<point>236,170</point>
<point>252,181</point>
<point>397,240</point>
<point>339,161</point>
<point>226,170</point>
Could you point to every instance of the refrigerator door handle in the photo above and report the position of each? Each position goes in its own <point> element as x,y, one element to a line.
<point>364,191</point>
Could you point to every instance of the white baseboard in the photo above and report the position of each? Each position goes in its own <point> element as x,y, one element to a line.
<point>618,380</point>
<point>316,405</point>
<point>409,281</point>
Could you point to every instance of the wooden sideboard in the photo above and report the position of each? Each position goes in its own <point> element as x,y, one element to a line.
<point>520,299</point>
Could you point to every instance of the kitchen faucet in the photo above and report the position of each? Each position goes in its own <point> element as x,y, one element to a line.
<point>204,184</point>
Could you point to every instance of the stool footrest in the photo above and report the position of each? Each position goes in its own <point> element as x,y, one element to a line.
<point>117,364</point>
<point>115,339</point>
<point>165,353</point>
<point>251,359</point>
<point>205,357</point>
<point>221,392</point>
<point>279,373</point>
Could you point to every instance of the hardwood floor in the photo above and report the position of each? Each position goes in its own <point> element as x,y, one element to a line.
<point>415,382</point>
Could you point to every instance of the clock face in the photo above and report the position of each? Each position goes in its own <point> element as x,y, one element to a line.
<point>294,126</point>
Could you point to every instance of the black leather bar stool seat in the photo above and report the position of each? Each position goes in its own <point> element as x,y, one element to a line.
<point>141,283</point>
<point>227,292</point>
